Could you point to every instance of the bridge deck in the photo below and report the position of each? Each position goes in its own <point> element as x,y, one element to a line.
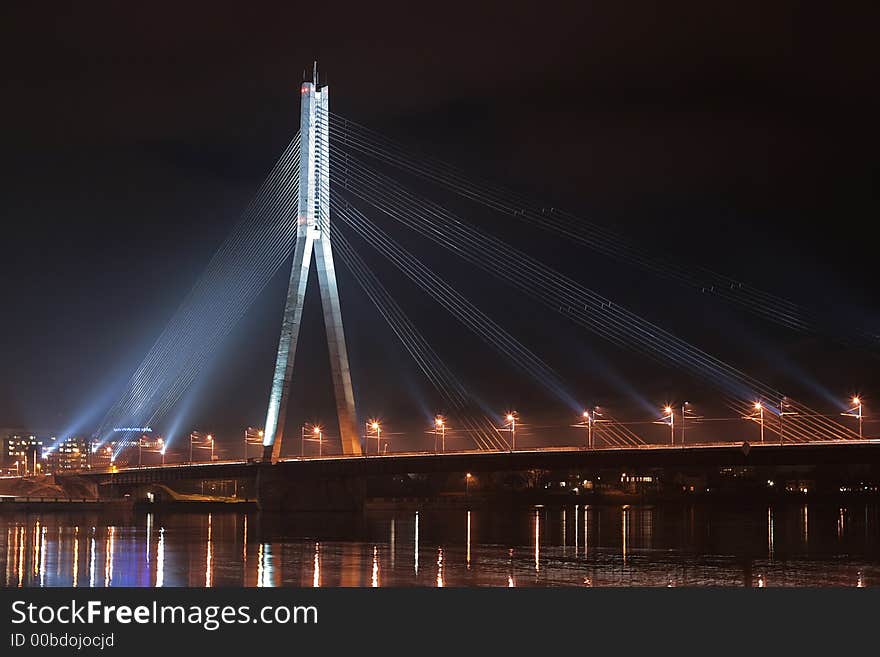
<point>728,454</point>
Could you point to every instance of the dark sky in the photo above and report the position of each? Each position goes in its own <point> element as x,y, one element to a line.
<point>737,135</point>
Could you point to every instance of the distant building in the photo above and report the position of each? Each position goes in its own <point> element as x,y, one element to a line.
<point>68,455</point>
<point>22,454</point>
<point>76,454</point>
<point>102,455</point>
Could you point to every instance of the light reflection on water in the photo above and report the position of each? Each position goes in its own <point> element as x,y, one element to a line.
<point>588,545</point>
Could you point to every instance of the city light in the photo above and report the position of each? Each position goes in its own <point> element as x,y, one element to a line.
<point>511,427</point>
<point>589,420</point>
<point>440,429</point>
<point>856,412</point>
<point>376,427</point>
<point>252,437</point>
<point>670,420</point>
<point>318,432</point>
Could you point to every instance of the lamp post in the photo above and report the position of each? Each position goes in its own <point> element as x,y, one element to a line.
<point>250,432</point>
<point>858,403</point>
<point>783,403</point>
<point>760,408</point>
<point>467,484</point>
<point>684,406</point>
<point>211,440</point>
<point>317,431</point>
<point>511,424</point>
<point>781,420</point>
<point>671,415</point>
<point>856,411</point>
<point>376,427</point>
<point>588,418</point>
<point>440,428</point>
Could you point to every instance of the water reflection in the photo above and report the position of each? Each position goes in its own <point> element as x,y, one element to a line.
<point>109,550</point>
<point>393,541</point>
<point>75,571</point>
<point>265,574</point>
<point>416,546</point>
<point>149,540</point>
<point>805,524</point>
<point>209,555</point>
<point>622,546</point>
<point>537,541</point>
<point>468,540</point>
<point>439,568</point>
<point>510,581</point>
<point>160,559</point>
<point>316,575</point>
<point>92,552</point>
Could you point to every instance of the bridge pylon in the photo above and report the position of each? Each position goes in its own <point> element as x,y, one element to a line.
<point>313,236</point>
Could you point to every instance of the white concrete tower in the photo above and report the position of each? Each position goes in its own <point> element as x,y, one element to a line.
<point>313,234</point>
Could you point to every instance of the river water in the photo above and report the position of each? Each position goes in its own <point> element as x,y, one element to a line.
<point>575,545</point>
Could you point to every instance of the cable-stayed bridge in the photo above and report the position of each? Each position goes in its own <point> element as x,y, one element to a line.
<point>319,202</point>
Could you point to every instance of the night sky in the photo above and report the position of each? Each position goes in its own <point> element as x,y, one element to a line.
<point>738,135</point>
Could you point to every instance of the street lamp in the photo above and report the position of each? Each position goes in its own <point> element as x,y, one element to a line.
<point>760,408</point>
<point>440,427</point>
<point>783,403</point>
<point>376,427</point>
<point>467,483</point>
<point>316,431</point>
<point>589,419</point>
<point>511,426</point>
<point>250,432</point>
<point>856,411</point>
<point>670,419</point>
<point>211,440</point>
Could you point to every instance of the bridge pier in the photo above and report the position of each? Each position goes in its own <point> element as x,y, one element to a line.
<point>278,492</point>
